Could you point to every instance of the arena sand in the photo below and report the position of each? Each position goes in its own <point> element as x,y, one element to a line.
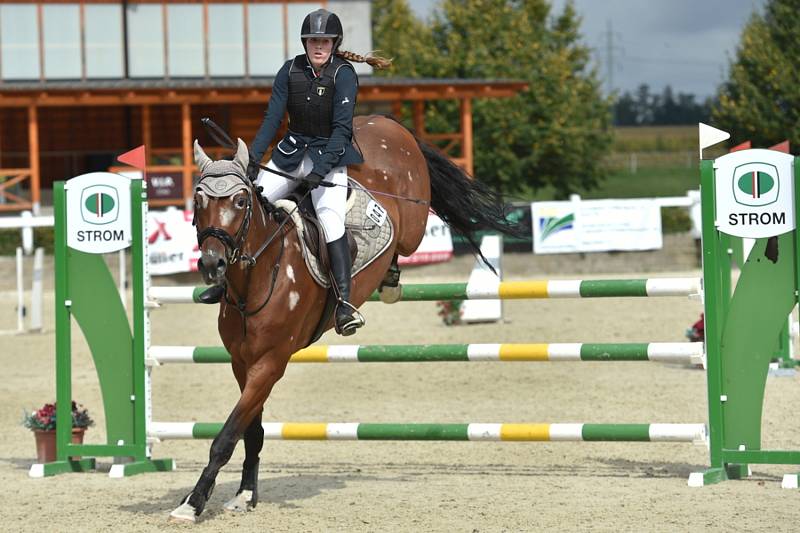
<point>407,486</point>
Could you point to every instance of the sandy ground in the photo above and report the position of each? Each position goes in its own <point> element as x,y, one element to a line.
<point>406,486</point>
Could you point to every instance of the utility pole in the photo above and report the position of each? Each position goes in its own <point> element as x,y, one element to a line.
<point>609,56</point>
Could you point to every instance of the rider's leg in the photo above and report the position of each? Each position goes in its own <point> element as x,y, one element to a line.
<point>330,204</point>
<point>274,188</point>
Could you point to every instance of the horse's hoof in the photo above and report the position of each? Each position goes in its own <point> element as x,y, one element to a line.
<point>241,503</point>
<point>184,513</point>
<point>390,295</point>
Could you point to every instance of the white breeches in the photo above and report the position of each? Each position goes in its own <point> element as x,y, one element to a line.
<point>329,202</point>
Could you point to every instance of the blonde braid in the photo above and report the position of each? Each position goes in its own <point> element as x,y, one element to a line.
<point>371,59</point>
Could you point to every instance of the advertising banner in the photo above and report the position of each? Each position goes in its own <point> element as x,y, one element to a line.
<point>436,246</point>
<point>595,226</point>
<point>172,242</point>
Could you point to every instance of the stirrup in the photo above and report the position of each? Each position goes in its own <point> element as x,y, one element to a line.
<point>347,323</point>
<point>212,295</point>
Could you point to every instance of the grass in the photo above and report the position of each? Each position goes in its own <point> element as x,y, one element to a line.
<point>655,138</point>
<point>647,182</point>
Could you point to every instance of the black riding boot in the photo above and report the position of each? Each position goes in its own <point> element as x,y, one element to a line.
<point>212,295</point>
<point>348,319</point>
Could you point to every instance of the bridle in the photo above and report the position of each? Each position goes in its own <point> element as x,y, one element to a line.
<point>234,244</point>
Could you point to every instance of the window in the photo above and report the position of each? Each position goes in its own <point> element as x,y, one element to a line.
<point>61,29</point>
<point>297,12</point>
<point>225,40</point>
<point>185,40</point>
<point>19,40</point>
<point>145,41</point>
<point>265,39</point>
<point>103,32</point>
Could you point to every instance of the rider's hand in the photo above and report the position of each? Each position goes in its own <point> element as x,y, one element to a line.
<point>313,180</point>
<point>252,170</point>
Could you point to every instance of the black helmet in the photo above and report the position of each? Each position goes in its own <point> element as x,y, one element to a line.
<point>322,23</point>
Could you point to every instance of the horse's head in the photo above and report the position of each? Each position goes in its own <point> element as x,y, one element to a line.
<point>223,210</point>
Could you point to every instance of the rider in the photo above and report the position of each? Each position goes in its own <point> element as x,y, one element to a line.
<point>319,91</point>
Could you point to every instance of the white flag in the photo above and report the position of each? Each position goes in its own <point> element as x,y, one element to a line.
<point>709,136</point>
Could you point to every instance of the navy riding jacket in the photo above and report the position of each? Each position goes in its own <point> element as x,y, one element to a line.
<point>325,152</point>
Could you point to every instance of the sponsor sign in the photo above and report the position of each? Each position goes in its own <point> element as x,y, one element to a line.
<point>165,185</point>
<point>595,226</point>
<point>754,193</point>
<point>98,212</point>
<point>436,245</point>
<point>171,242</point>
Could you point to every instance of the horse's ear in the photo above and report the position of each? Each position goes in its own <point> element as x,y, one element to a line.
<point>200,157</point>
<point>242,155</point>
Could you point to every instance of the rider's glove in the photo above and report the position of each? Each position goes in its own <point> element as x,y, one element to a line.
<point>252,170</point>
<point>313,180</point>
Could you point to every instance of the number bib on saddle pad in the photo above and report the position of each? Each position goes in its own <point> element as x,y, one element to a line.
<point>366,220</point>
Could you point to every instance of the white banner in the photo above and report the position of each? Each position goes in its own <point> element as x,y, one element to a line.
<point>172,242</point>
<point>595,226</point>
<point>436,245</point>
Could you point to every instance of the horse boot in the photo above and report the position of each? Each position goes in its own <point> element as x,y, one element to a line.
<point>212,295</point>
<point>348,319</point>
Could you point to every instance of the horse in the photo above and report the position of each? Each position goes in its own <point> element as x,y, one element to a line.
<point>272,305</point>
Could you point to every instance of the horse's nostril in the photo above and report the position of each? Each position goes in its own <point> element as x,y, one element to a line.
<point>220,265</point>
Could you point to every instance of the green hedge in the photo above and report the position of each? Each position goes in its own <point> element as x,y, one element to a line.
<point>10,239</point>
<point>675,220</point>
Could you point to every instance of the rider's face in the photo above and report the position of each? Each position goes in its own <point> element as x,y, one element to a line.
<point>319,50</point>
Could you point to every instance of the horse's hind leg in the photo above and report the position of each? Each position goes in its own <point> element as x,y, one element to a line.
<point>246,497</point>
<point>390,290</point>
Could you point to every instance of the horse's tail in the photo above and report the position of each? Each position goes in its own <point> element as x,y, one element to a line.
<point>463,203</point>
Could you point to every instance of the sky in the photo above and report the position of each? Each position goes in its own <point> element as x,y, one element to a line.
<point>687,44</point>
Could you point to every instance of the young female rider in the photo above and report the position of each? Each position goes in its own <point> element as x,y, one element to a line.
<point>318,89</point>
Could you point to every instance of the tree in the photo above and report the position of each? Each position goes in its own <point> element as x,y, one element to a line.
<point>553,134</point>
<point>760,101</point>
<point>400,35</point>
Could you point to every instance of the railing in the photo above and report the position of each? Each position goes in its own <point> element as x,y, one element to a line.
<point>11,177</point>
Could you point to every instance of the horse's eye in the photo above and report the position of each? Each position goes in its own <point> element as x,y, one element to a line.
<point>240,202</point>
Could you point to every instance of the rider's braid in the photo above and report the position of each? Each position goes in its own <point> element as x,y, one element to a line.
<point>371,59</point>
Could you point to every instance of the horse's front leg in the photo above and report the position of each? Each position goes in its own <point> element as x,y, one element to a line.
<point>246,497</point>
<point>261,377</point>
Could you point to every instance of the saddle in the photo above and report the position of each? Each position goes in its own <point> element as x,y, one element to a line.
<point>368,229</point>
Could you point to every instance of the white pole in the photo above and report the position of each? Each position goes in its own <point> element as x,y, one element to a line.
<point>122,279</point>
<point>36,291</point>
<point>27,232</point>
<point>20,294</point>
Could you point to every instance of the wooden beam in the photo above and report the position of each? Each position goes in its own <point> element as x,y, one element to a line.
<point>186,143</point>
<point>147,139</point>
<point>33,149</point>
<point>419,117</point>
<point>466,132</point>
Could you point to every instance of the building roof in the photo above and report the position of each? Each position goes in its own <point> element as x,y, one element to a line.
<point>235,90</point>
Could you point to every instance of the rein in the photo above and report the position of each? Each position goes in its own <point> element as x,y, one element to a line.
<point>234,244</point>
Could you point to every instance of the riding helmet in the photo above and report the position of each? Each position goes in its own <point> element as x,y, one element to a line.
<point>322,23</point>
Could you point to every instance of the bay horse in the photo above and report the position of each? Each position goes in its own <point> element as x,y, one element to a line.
<point>272,304</point>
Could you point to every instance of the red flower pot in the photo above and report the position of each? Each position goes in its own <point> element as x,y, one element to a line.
<point>46,443</point>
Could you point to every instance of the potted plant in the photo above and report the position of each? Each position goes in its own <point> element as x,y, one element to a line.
<point>450,311</point>
<point>43,424</point>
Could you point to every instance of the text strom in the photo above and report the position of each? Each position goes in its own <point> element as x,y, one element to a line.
<point>100,235</point>
<point>756,219</point>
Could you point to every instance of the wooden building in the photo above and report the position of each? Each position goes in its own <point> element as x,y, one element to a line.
<point>82,82</point>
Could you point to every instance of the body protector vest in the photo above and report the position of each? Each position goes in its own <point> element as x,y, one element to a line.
<point>310,102</point>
